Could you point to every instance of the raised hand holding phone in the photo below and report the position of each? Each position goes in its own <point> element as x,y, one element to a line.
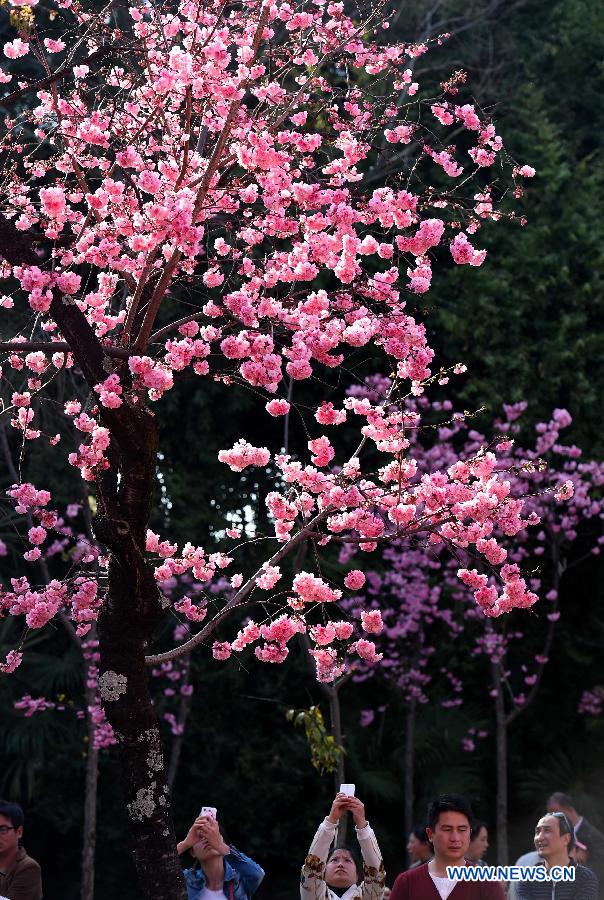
<point>338,807</point>
<point>210,832</point>
<point>357,808</point>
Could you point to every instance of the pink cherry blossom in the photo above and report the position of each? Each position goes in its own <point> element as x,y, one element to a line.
<point>190,610</point>
<point>54,46</point>
<point>269,578</point>
<point>354,580</point>
<point>323,635</point>
<point>366,650</point>
<point>37,535</point>
<point>221,650</point>
<point>53,202</point>
<point>12,662</point>
<point>464,253</point>
<point>16,49</point>
<point>277,407</point>
<point>327,414</point>
<point>312,589</point>
<point>372,621</point>
<point>243,454</point>
<point>565,491</point>
<point>271,653</point>
<point>322,450</point>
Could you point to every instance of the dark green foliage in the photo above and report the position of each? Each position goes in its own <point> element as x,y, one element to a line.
<point>528,324</point>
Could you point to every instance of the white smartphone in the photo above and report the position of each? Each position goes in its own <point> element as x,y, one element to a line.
<point>208,811</point>
<point>347,789</point>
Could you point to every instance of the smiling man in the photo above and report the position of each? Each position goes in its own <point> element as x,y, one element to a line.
<point>585,833</point>
<point>554,839</point>
<point>450,822</point>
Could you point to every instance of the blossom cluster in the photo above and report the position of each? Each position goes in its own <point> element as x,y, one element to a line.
<point>223,157</point>
<point>592,702</point>
<point>413,584</point>
<point>134,197</point>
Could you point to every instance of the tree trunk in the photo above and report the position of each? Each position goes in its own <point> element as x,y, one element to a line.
<point>127,703</point>
<point>501,742</point>
<point>90,804</point>
<point>92,756</point>
<point>131,611</point>
<point>409,785</point>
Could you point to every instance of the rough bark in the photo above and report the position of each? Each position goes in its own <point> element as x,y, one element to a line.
<point>132,610</point>
<point>90,807</point>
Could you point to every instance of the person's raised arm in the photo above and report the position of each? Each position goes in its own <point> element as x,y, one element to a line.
<point>250,872</point>
<point>192,837</point>
<point>312,879</point>
<point>208,829</point>
<point>204,827</point>
<point>374,875</point>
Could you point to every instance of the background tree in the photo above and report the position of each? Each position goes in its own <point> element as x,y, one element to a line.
<point>425,607</point>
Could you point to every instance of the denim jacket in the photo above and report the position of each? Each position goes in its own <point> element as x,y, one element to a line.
<point>242,877</point>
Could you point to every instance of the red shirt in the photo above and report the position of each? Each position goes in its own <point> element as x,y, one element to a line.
<point>416,884</point>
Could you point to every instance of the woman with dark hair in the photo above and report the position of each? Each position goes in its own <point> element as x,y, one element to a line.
<point>479,843</point>
<point>419,847</point>
<point>339,875</point>
<point>221,871</point>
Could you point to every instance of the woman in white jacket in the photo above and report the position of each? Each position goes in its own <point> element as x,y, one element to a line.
<point>338,875</point>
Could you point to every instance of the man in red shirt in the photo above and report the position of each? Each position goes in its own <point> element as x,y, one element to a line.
<point>449,827</point>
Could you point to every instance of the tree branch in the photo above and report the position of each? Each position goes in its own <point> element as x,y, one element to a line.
<point>126,423</point>
<point>58,347</point>
<point>144,333</point>
<point>237,599</point>
<point>65,69</point>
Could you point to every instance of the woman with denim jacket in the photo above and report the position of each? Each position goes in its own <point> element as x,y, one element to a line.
<point>223,871</point>
<point>338,875</point>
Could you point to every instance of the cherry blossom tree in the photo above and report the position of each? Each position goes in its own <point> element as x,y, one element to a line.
<point>184,195</point>
<point>552,556</point>
<point>418,586</point>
